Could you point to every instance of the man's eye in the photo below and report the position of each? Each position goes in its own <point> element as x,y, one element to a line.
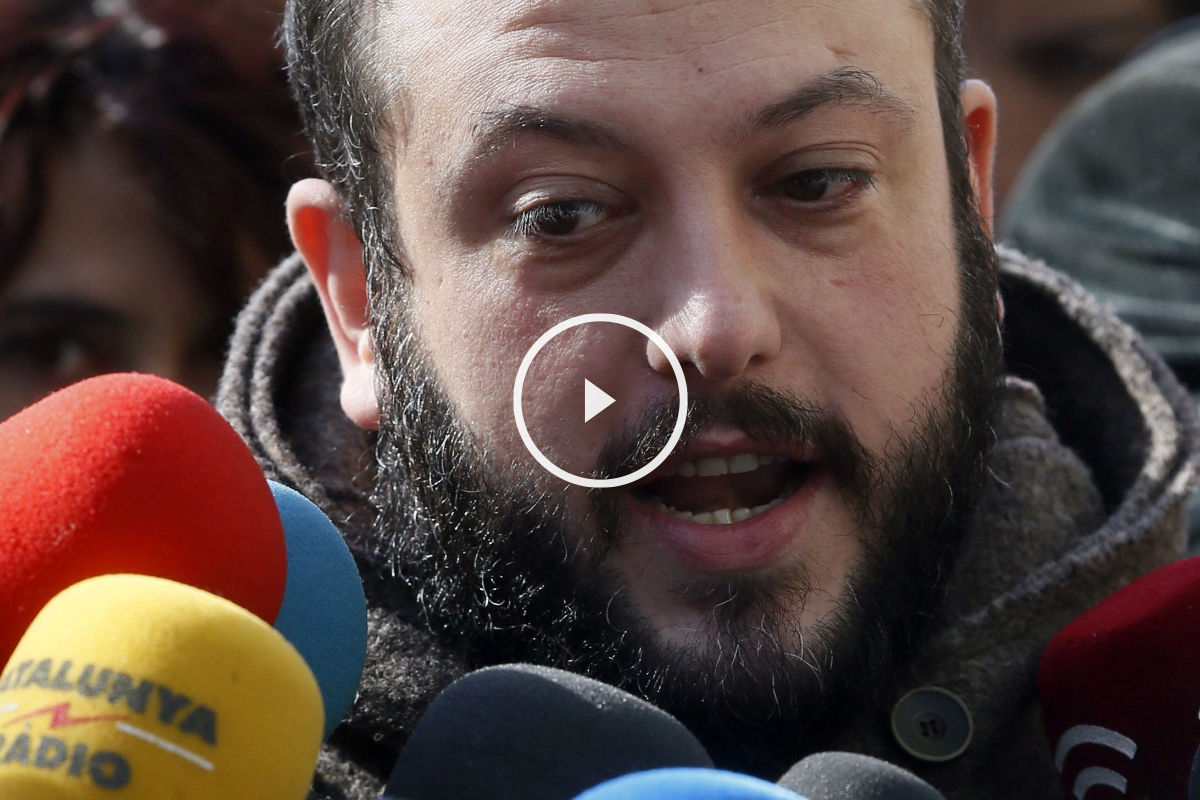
<point>558,219</point>
<point>824,186</point>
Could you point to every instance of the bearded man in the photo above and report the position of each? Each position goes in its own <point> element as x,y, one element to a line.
<point>868,498</point>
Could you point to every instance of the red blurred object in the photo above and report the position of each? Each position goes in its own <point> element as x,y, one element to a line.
<point>132,473</point>
<point>1120,690</point>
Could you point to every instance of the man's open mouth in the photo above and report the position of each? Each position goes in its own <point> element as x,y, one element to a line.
<point>721,490</point>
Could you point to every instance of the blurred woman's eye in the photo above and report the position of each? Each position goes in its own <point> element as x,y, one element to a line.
<point>45,345</point>
<point>58,357</point>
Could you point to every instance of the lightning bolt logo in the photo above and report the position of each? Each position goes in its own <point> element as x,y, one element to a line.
<point>60,717</point>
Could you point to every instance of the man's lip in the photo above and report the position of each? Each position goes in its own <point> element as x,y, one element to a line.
<point>761,541</point>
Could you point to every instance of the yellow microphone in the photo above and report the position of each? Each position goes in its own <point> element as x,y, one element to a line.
<point>129,687</point>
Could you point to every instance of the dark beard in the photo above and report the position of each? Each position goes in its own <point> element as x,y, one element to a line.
<point>498,575</point>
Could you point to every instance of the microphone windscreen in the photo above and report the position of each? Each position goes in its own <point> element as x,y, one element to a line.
<point>853,776</point>
<point>1118,688</point>
<point>132,473</point>
<point>140,688</point>
<point>520,731</point>
<point>689,783</point>
<point>324,611</point>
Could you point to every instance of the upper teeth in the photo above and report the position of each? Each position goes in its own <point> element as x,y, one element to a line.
<point>707,467</point>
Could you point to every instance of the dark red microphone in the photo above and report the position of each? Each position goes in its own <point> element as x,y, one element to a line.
<point>1120,690</point>
<point>132,474</point>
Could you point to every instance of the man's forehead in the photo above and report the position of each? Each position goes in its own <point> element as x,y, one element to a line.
<point>450,63</point>
<point>517,14</point>
<point>431,32</point>
<point>623,25</point>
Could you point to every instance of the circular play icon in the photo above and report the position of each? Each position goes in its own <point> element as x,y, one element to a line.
<point>596,400</point>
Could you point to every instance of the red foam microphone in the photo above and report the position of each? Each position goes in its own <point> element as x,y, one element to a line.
<point>1120,690</point>
<point>132,474</point>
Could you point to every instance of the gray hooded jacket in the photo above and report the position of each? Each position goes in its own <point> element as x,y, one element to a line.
<point>1096,453</point>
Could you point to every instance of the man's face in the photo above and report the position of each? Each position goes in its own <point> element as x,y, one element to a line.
<point>762,183</point>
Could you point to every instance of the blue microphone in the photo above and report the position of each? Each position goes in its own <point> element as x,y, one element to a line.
<point>324,611</point>
<point>687,783</point>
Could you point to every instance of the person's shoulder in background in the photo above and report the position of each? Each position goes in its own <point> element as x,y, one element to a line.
<point>1111,196</point>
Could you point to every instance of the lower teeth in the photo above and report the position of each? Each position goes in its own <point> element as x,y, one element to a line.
<point>720,516</point>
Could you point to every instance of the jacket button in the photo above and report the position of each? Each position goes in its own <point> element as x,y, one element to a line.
<point>932,724</point>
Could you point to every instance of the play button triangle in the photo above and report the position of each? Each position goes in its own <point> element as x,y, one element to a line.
<point>595,400</point>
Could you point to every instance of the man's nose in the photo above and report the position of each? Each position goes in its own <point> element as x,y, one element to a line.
<point>720,316</point>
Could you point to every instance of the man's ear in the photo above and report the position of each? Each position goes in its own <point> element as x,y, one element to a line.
<point>333,253</point>
<point>979,119</point>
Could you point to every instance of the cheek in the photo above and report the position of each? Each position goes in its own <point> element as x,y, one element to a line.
<point>905,309</point>
<point>478,332</point>
<point>475,341</point>
<point>886,328</point>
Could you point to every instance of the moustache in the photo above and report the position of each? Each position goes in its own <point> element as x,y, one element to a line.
<point>761,412</point>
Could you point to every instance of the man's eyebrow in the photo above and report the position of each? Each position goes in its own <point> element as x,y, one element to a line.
<point>850,86</point>
<point>497,129</point>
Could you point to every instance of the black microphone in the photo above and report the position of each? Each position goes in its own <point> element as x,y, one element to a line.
<point>519,731</point>
<point>851,776</point>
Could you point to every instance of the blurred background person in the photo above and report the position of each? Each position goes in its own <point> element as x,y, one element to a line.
<point>1111,195</point>
<point>146,149</point>
<point>1039,55</point>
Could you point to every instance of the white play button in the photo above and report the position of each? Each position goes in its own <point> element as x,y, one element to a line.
<point>595,400</point>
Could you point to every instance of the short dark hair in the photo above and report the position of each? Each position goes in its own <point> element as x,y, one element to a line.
<point>193,91</point>
<point>336,82</point>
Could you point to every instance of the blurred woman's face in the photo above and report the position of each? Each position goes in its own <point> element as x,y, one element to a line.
<point>103,287</point>
<point>1038,55</point>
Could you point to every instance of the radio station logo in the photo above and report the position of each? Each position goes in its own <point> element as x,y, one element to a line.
<point>54,736</point>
